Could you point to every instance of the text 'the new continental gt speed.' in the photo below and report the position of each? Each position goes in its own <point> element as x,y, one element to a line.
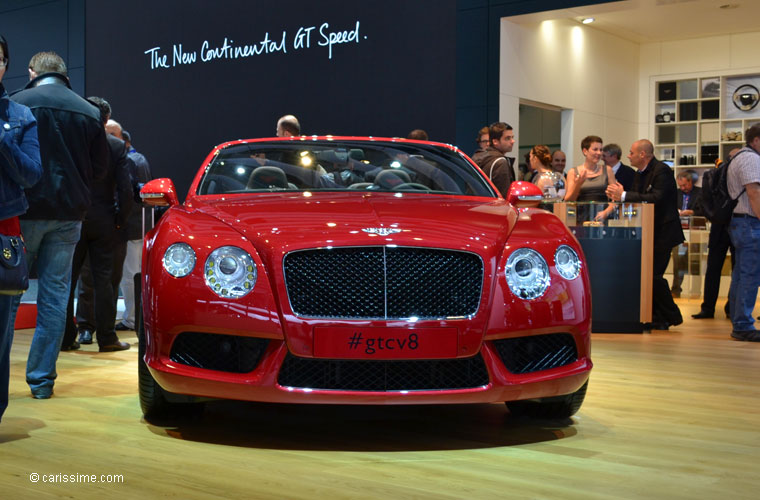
<point>343,270</point>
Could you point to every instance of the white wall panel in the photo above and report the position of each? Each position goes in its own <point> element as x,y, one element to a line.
<point>571,66</point>
<point>696,54</point>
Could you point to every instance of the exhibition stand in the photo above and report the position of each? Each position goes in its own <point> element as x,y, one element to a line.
<point>618,253</point>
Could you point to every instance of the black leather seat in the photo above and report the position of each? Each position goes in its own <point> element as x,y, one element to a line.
<point>389,179</point>
<point>267,178</point>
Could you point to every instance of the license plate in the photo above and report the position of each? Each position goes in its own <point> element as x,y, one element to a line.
<point>385,343</point>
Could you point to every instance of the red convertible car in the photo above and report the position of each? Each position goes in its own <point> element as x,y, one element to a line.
<point>346,270</point>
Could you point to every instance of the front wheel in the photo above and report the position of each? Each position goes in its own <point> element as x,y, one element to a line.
<point>155,402</point>
<point>550,408</point>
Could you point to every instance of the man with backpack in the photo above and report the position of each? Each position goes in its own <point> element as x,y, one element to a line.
<point>718,245</point>
<point>743,181</point>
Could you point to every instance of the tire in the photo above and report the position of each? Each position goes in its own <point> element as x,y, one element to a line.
<point>558,407</point>
<point>156,402</point>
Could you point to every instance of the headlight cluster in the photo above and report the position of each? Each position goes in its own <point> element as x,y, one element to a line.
<point>179,260</point>
<point>567,262</point>
<point>528,273</point>
<point>229,271</point>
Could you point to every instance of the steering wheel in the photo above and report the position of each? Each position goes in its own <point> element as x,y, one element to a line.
<point>411,186</point>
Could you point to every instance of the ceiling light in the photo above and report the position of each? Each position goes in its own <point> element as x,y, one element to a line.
<point>588,20</point>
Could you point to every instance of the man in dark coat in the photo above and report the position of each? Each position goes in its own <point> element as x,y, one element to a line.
<point>492,161</point>
<point>654,183</point>
<point>111,205</point>
<point>611,154</point>
<point>74,152</point>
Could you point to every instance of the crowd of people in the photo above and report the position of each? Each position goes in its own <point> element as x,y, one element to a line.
<point>69,183</point>
<point>603,178</point>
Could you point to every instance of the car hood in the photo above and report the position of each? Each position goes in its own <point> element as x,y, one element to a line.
<point>277,223</point>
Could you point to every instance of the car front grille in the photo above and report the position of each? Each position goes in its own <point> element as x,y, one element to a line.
<point>381,376</point>
<point>226,353</point>
<point>383,283</point>
<point>537,352</point>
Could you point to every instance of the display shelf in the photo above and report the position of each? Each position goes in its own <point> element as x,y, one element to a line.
<point>697,122</point>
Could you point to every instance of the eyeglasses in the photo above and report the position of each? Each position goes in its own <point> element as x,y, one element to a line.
<point>484,141</point>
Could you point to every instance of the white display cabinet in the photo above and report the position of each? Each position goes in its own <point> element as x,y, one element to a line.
<point>700,119</point>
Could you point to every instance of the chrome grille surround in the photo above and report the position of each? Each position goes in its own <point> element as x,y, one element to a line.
<point>383,282</point>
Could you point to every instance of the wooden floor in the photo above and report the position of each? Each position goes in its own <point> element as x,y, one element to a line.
<point>668,415</point>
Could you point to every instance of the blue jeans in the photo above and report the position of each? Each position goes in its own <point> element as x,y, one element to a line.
<point>745,279</point>
<point>51,244</point>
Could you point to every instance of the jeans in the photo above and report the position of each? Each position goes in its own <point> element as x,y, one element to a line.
<point>132,263</point>
<point>745,280</point>
<point>51,244</point>
<point>6,339</point>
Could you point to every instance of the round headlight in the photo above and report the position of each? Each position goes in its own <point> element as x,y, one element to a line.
<point>230,272</point>
<point>567,262</point>
<point>527,273</point>
<point>179,260</point>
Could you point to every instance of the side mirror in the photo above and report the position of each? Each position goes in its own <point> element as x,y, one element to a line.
<point>524,194</point>
<point>159,193</point>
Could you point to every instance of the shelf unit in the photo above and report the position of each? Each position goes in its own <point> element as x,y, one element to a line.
<point>695,122</point>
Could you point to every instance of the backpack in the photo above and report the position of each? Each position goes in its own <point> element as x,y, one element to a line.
<point>717,204</point>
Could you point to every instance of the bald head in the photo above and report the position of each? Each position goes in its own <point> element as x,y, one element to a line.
<point>288,126</point>
<point>114,128</point>
<point>642,152</point>
<point>558,161</point>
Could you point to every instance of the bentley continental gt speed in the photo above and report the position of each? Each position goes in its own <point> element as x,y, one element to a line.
<point>346,270</point>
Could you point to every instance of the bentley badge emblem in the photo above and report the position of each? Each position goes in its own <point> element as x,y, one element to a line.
<point>382,231</point>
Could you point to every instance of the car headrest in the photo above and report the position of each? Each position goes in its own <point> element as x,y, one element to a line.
<point>389,179</point>
<point>331,156</point>
<point>356,154</point>
<point>267,178</point>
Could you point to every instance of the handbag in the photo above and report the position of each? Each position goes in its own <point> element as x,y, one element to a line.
<point>14,275</point>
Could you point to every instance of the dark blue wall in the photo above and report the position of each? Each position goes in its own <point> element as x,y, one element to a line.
<point>34,25</point>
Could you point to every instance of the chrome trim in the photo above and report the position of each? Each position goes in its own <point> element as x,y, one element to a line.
<point>468,317</point>
<point>382,231</point>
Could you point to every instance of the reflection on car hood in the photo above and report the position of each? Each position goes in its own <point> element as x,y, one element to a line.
<point>278,223</point>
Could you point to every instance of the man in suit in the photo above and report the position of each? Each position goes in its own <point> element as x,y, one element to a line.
<point>111,204</point>
<point>689,203</point>
<point>654,183</point>
<point>624,174</point>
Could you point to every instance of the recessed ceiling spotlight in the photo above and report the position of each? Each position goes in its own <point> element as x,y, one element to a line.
<point>588,20</point>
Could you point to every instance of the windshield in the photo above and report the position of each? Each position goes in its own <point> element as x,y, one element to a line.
<point>336,166</point>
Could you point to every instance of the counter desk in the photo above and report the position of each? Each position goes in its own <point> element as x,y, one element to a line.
<point>618,253</point>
